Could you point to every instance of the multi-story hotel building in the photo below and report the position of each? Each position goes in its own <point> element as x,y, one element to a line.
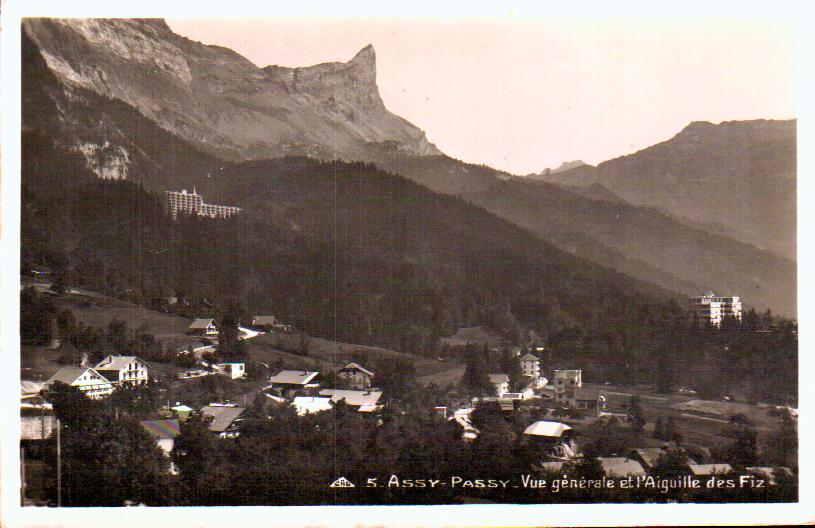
<point>566,384</point>
<point>714,308</point>
<point>193,203</point>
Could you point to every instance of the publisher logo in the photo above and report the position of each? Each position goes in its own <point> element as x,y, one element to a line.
<point>342,482</point>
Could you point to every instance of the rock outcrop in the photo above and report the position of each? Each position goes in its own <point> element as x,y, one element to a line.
<point>220,101</point>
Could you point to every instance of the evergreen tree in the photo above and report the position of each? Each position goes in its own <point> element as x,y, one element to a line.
<point>229,346</point>
<point>744,450</point>
<point>476,375</point>
<point>511,366</point>
<point>635,416</point>
<point>659,429</point>
<point>783,448</point>
<point>664,374</point>
<point>672,464</point>
<point>671,432</point>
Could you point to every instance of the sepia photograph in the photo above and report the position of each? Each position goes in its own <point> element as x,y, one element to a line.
<point>445,261</point>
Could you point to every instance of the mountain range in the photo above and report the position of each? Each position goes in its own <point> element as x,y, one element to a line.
<point>136,101</point>
<point>737,177</point>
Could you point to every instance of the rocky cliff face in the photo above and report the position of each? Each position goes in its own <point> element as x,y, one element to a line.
<point>220,101</point>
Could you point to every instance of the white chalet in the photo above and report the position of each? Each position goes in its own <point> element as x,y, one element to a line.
<point>90,382</point>
<point>357,376</point>
<point>124,369</point>
<point>203,327</point>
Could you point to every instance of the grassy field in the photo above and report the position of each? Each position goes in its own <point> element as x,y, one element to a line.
<point>272,349</point>
<point>38,363</point>
<point>701,430</point>
<point>326,354</point>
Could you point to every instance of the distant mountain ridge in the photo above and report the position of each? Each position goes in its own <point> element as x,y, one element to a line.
<point>738,174</point>
<point>566,165</point>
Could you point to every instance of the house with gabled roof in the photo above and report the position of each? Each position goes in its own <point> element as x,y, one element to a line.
<point>705,470</point>
<point>501,383</point>
<point>164,432</point>
<point>365,401</point>
<point>203,327</point>
<point>124,369</point>
<point>224,418</point>
<point>268,323</point>
<point>590,399</point>
<point>89,381</point>
<point>264,322</point>
<point>553,439</point>
<point>618,467</point>
<point>304,405</point>
<point>356,376</point>
<point>649,457</point>
<point>295,379</point>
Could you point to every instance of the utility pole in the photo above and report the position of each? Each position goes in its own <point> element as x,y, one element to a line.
<point>59,465</point>
<point>22,476</point>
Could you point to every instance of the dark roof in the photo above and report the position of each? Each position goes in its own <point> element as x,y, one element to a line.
<point>264,320</point>
<point>201,324</point>
<point>222,416</point>
<point>350,366</point>
<point>650,455</point>
<point>587,393</point>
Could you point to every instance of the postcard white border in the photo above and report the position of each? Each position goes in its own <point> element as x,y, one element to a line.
<point>790,13</point>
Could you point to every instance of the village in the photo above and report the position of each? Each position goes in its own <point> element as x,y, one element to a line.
<point>262,366</point>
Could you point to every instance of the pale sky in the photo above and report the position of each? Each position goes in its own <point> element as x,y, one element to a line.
<point>523,95</point>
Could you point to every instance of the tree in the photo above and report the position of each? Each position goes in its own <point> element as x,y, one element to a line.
<point>743,451</point>
<point>511,366</point>
<point>71,406</point>
<point>106,462</point>
<point>396,378</point>
<point>476,376</point>
<point>671,432</point>
<point>783,444</point>
<point>195,453</point>
<point>664,375</point>
<point>659,429</point>
<point>229,346</point>
<point>635,416</point>
<point>589,465</point>
<point>672,463</point>
<point>136,400</point>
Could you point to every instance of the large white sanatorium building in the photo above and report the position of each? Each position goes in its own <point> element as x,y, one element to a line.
<point>714,308</point>
<point>193,203</point>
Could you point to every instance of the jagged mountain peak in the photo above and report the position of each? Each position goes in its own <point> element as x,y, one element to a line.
<point>219,100</point>
<point>365,57</point>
